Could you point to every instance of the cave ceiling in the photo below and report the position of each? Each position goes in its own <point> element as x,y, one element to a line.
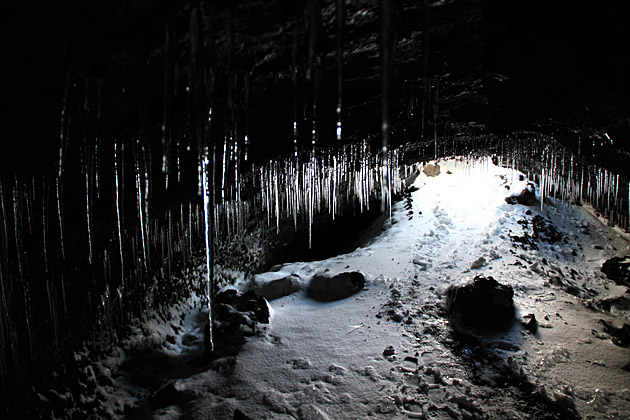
<point>495,67</point>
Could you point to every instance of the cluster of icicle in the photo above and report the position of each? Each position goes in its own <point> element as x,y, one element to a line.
<point>54,248</point>
<point>297,189</point>
<point>561,174</point>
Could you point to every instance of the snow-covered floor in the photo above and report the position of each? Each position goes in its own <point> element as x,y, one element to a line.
<point>325,360</point>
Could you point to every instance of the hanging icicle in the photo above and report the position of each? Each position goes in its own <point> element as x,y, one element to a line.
<point>386,69</point>
<point>208,236</point>
<point>119,193</point>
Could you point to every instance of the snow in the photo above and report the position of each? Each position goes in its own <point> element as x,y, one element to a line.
<point>325,360</point>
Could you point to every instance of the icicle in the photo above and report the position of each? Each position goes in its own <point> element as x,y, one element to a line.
<point>276,195</point>
<point>140,203</point>
<point>169,240</point>
<point>246,123</point>
<point>386,63</point>
<point>17,226</point>
<point>5,291</point>
<point>86,170</point>
<point>146,197</point>
<point>118,216</point>
<point>29,207</point>
<point>53,312</point>
<point>224,167</point>
<point>311,200</point>
<point>436,102</point>
<point>97,167</point>
<point>208,218</point>
<point>60,213</point>
<point>190,227</point>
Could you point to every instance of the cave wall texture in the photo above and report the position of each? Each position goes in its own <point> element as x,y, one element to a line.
<point>101,93</point>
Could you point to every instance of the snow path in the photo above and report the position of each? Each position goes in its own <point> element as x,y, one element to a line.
<point>325,360</point>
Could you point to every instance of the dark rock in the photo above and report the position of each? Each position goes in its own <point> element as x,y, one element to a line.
<point>325,288</point>
<point>529,323</point>
<point>165,396</point>
<point>565,284</point>
<point>482,304</point>
<point>480,262</point>
<point>239,415</point>
<point>545,231</point>
<point>397,317</point>
<point>236,316</point>
<point>389,351</point>
<point>618,269</point>
<point>527,197</point>
<point>620,336</point>
<point>276,289</point>
<point>245,302</point>
<point>619,302</point>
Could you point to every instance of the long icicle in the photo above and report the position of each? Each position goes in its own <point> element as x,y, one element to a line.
<point>60,213</point>
<point>118,218</point>
<point>208,209</point>
<point>386,61</point>
<point>87,169</point>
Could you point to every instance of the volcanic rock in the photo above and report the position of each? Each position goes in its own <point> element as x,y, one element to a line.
<point>618,269</point>
<point>529,323</point>
<point>620,336</point>
<point>165,396</point>
<point>527,197</point>
<point>245,302</point>
<point>276,289</point>
<point>239,415</point>
<point>236,316</point>
<point>325,288</point>
<point>482,304</point>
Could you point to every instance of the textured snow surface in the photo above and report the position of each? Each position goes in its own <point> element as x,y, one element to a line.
<point>326,360</point>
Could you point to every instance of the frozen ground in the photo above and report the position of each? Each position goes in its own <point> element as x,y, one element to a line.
<point>326,360</point>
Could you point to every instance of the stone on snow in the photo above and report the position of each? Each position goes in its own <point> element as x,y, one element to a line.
<point>527,197</point>
<point>618,269</point>
<point>482,304</point>
<point>529,323</point>
<point>324,287</point>
<point>276,289</point>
